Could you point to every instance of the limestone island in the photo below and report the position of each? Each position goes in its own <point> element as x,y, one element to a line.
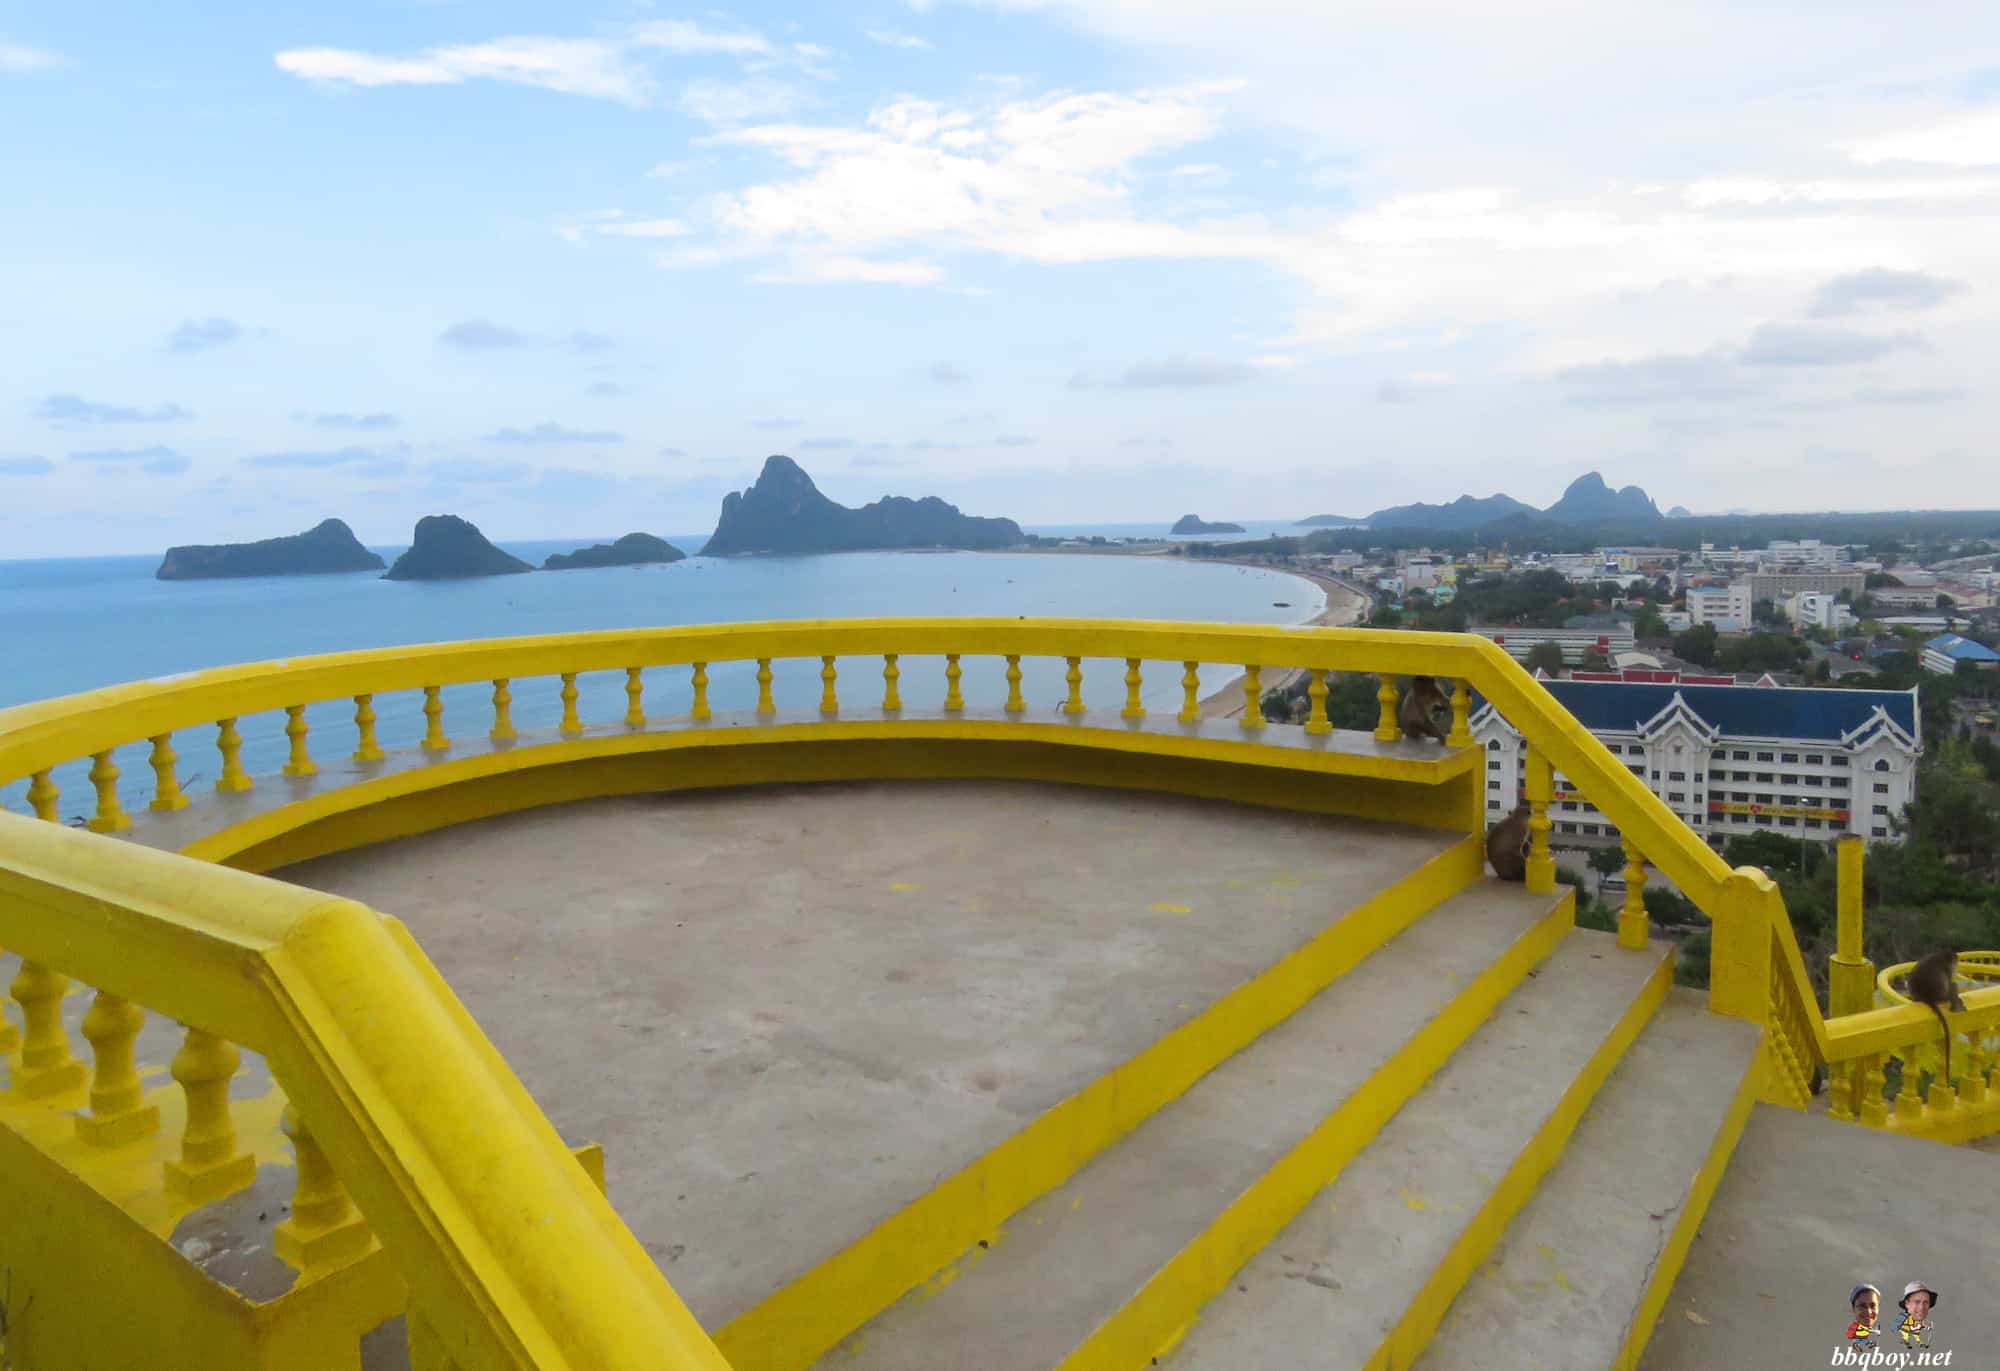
<point>634,549</point>
<point>447,548</point>
<point>1194,523</point>
<point>1330,521</point>
<point>785,513</point>
<point>328,547</point>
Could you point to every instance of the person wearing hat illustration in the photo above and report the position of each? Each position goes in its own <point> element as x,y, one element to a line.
<point>1866,1302</point>
<point>1917,1302</point>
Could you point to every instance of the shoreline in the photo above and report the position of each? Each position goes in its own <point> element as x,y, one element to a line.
<point>1344,605</point>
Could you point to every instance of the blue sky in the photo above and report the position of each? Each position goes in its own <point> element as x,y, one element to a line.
<point>573,271</point>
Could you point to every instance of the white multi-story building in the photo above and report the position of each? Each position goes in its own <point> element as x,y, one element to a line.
<point>1576,643</point>
<point>1817,609</point>
<point>1806,552</point>
<point>1807,763</point>
<point>1905,597</point>
<point>1727,607</point>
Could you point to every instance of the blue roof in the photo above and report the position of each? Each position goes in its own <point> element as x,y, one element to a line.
<point>1743,711</point>
<point>1962,649</point>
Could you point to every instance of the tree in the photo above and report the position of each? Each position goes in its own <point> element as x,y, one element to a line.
<point>1594,660</point>
<point>1767,612</point>
<point>1547,656</point>
<point>1697,645</point>
<point>1878,580</point>
<point>1763,652</point>
<point>1649,624</point>
<point>1607,861</point>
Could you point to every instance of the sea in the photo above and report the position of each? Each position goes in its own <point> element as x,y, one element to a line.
<point>76,624</point>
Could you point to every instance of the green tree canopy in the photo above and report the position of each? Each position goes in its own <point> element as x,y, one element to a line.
<point>1547,656</point>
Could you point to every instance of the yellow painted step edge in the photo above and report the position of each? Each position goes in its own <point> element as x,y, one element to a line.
<point>1156,1317</point>
<point>792,1327</point>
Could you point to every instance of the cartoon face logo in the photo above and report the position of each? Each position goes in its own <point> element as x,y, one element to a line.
<point>1917,1302</point>
<point>1865,1303</point>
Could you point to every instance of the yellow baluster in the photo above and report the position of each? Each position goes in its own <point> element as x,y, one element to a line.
<point>570,722</point>
<point>1133,709</point>
<point>1253,696</point>
<point>1541,875</point>
<point>209,1166</point>
<point>954,702</point>
<point>1387,730</point>
<point>1461,709</point>
<point>301,762</point>
<point>234,779</point>
<point>1015,704</point>
<point>1074,705</point>
<point>1942,1098</point>
<point>1909,1104</point>
<point>1190,692</point>
<point>1874,1078</point>
<point>46,1068</point>
<point>366,748</point>
<point>10,1037</point>
<point>700,708</point>
<point>1840,1090</point>
<point>1316,720</point>
<point>324,1230</point>
<point>167,793</point>
<point>891,699</point>
<point>434,737</point>
<point>118,1111</point>
<point>42,797</point>
<point>1632,922</point>
<point>1972,1076</point>
<point>503,711</point>
<point>765,704</point>
<point>635,696</point>
<point>109,817</point>
<point>829,702</point>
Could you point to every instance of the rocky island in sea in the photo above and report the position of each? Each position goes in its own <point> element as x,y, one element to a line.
<point>1194,523</point>
<point>448,548</point>
<point>328,546</point>
<point>785,513</point>
<point>634,549</point>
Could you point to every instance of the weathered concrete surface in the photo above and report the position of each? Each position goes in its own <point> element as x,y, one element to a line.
<point>1082,1251</point>
<point>1563,1284</point>
<point>1808,1209</point>
<point>789,1012</point>
<point>1329,1288</point>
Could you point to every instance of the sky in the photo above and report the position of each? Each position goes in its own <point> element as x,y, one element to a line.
<point>566,269</point>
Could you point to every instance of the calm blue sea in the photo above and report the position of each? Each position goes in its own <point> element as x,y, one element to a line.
<point>78,623</point>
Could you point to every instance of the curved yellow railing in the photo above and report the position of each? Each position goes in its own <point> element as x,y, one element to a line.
<point>512,1258</point>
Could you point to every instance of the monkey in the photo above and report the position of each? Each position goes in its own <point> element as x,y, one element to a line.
<point>1929,982</point>
<point>1419,708</point>
<point>1507,846</point>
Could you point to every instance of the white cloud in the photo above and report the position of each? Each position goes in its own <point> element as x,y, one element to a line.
<point>687,39</point>
<point>739,102</point>
<point>19,57</point>
<point>1763,191</point>
<point>891,38</point>
<point>1970,141</point>
<point>814,269</point>
<point>644,228</point>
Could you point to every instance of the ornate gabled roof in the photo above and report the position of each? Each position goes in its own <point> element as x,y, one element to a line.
<point>1813,713</point>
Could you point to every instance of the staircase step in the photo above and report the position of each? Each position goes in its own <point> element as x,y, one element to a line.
<point>1141,1219</point>
<point>1578,1278</point>
<point>1360,1278</point>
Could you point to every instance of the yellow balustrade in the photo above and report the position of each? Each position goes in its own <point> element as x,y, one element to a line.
<point>1134,709</point>
<point>1316,692</point>
<point>1850,976</point>
<point>434,735</point>
<point>42,797</point>
<point>1253,696</point>
<point>367,748</point>
<point>1541,787</point>
<point>503,730</point>
<point>324,1229</point>
<point>1461,711</point>
<point>954,700</point>
<point>571,721</point>
<point>829,700</point>
<point>891,699</point>
<point>637,694</point>
<point>1387,730</point>
<point>698,710</point>
<point>1632,922</point>
<point>233,778</point>
<point>1190,692</point>
<point>110,818</point>
<point>46,1066</point>
<point>1015,703</point>
<point>1074,704</point>
<point>209,1166</point>
<point>765,704</point>
<point>167,793</point>
<point>118,1111</point>
<point>10,1037</point>
<point>300,762</point>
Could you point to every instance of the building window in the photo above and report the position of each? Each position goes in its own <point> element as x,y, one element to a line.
<point>1789,779</point>
<point>1879,832</point>
<point>1813,780</point>
<point>1881,809</point>
<point>1816,758</point>
<point>1839,760</point>
<point>1493,766</point>
<point>1569,806</point>
<point>1676,797</point>
<point>1815,823</point>
<point>1838,783</point>
<point>1788,823</point>
<point>1882,765</point>
<point>1493,785</point>
<point>1493,746</point>
<point>1764,776</point>
<point>1566,828</point>
<point>1789,757</point>
<point>1739,775</point>
<point>1740,756</point>
<point>1677,775</point>
<point>1763,756</point>
<point>1881,787</point>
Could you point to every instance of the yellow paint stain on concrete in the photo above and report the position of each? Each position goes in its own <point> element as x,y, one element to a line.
<point>902,885</point>
<point>1284,879</point>
<point>1413,1199</point>
<point>1235,884</point>
<point>1168,907</point>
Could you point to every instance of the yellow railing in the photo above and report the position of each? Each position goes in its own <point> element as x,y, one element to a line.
<point>1862,1045</point>
<point>511,1257</point>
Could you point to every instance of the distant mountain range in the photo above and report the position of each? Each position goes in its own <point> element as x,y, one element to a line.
<point>1589,500</point>
<point>784,512</point>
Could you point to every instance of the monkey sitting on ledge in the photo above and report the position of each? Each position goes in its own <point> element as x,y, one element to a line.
<point>1507,845</point>
<point>1930,982</point>
<point>1417,712</point>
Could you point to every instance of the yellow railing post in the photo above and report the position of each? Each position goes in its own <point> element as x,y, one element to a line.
<point>697,709</point>
<point>1074,704</point>
<point>1873,1107</point>
<point>1387,730</point>
<point>10,1037</point>
<point>300,762</point>
<point>1632,922</point>
<point>230,744</point>
<point>635,695</point>
<point>1842,1092</point>
<point>110,818</point>
<point>765,704</point>
<point>892,699</point>
<point>1191,692</point>
<point>1740,947</point>
<point>324,1230</point>
<point>366,748</point>
<point>42,797</point>
<point>1909,1104</point>
<point>571,723</point>
<point>209,1166</point>
<point>954,700</point>
<point>167,793</point>
<point>503,711</point>
<point>1541,875</point>
<point>1133,708</point>
<point>434,735</point>
<point>1316,720</point>
<point>829,698</point>
<point>1461,710</point>
<point>46,1068</point>
<point>1850,976</point>
<point>118,1112</point>
<point>1015,703</point>
<point>1253,696</point>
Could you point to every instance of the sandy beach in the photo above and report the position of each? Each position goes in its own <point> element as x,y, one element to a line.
<point>1344,605</point>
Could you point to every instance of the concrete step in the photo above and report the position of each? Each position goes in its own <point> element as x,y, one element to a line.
<point>1578,1278</point>
<point>1361,1277</point>
<point>1124,1252</point>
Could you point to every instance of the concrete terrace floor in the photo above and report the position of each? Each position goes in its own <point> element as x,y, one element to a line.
<point>787,1012</point>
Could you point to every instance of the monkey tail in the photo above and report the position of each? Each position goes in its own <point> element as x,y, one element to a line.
<point>1945,1024</point>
